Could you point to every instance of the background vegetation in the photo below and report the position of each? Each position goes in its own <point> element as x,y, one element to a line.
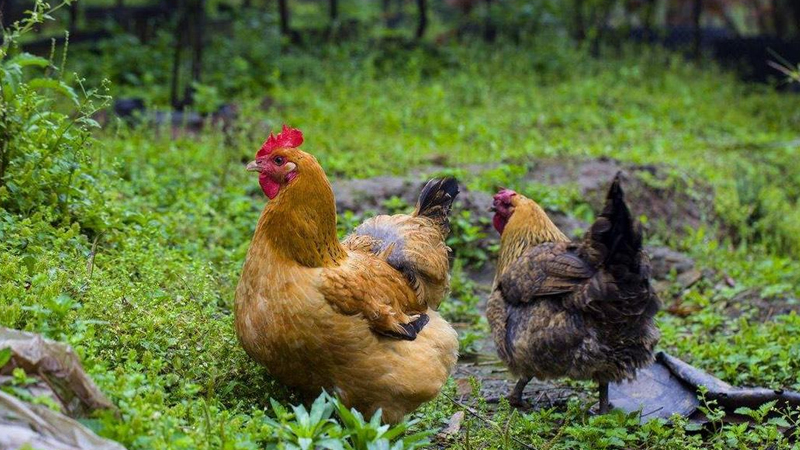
<point>125,238</point>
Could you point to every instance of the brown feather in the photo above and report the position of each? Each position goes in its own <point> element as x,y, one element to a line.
<point>582,309</point>
<point>418,252</point>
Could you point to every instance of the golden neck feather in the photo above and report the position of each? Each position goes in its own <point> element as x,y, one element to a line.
<point>300,223</point>
<point>528,227</point>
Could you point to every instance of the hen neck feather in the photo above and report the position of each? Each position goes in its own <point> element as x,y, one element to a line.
<point>300,223</point>
<point>528,227</point>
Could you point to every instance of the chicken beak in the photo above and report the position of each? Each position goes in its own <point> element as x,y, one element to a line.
<point>492,209</point>
<point>253,166</point>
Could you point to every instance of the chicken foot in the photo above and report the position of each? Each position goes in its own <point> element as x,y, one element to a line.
<point>515,397</point>
<point>409,330</point>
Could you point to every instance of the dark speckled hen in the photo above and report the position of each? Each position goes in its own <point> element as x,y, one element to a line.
<point>583,309</point>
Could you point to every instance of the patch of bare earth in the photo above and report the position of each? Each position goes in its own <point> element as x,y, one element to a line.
<point>758,307</point>
<point>664,195</point>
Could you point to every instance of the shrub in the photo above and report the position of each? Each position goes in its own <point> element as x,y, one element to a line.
<point>45,139</point>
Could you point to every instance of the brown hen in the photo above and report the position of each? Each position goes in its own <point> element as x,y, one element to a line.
<point>583,309</point>
<point>355,318</point>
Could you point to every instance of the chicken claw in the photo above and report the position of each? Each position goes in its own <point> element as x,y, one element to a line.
<point>410,330</point>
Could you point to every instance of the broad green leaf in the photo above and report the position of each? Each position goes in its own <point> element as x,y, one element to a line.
<point>306,443</point>
<point>88,121</point>
<point>331,444</point>
<point>780,422</point>
<point>5,356</point>
<point>56,85</point>
<point>375,422</point>
<point>26,59</point>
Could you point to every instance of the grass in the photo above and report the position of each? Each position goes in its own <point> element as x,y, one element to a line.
<point>134,257</point>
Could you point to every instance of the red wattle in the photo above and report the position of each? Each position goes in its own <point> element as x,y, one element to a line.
<point>269,186</point>
<point>499,223</point>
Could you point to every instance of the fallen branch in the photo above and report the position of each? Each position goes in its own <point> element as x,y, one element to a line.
<point>727,396</point>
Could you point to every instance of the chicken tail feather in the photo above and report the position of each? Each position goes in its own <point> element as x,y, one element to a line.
<point>436,199</point>
<point>615,237</point>
<point>614,246</point>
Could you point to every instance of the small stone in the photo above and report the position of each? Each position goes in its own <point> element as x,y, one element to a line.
<point>688,279</point>
<point>453,427</point>
<point>463,387</point>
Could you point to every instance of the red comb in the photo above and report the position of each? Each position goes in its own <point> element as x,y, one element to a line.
<point>287,138</point>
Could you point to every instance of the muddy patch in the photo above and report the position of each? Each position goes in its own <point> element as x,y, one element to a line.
<point>670,200</point>
<point>752,304</point>
<point>667,198</point>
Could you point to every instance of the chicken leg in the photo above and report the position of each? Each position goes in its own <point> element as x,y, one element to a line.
<point>515,397</point>
<point>603,409</point>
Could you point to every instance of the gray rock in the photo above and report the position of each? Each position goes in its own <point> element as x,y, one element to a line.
<point>361,195</point>
<point>664,260</point>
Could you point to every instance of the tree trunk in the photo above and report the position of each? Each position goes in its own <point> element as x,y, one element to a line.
<point>779,18</point>
<point>649,12</point>
<point>334,10</point>
<point>5,7</point>
<point>697,13</point>
<point>198,29</point>
<point>489,30</point>
<point>73,17</point>
<point>795,10</point>
<point>580,23</point>
<point>283,12</point>
<point>422,6</point>
<point>386,8</point>
<point>600,26</point>
<point>180,24</point>
<point>755,8</point>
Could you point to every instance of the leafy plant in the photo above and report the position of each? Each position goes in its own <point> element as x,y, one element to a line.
<point>395,205</point>
<point>5,356</point>
<point>467,342</point>
<point>44,152</point>
<point>462,306</point>
<point>792,72</point>
<point>206,98</point>
<point>373,435</point>
<point>466,238</point>
<point>305,429</point>
<point>134,258</point>
<point>347,222</point>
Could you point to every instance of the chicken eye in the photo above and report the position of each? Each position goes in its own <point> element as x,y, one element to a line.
<point>279,160</point>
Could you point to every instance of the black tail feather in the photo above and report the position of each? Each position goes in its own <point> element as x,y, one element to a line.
<point>615,234</point>
<point>614,247</point>
<point>436,200</point>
